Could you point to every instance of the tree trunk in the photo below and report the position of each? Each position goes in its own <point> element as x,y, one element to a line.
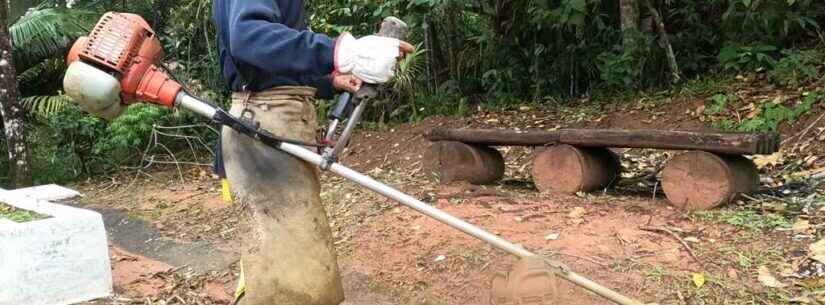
<point>429,34</point>
<point>19,157</point>
<point>675,73</point>
<point>452,15</point>
<point>630,20</point>
<point>503,18</point>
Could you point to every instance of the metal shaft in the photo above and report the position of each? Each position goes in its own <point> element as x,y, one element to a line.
<point>345,135</point>
<point>195,105</point>
<point>333,125</point>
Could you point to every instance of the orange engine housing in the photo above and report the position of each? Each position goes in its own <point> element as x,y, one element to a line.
<point>125,45</point>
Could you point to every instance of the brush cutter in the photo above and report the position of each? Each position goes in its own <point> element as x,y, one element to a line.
<point>118,61</point>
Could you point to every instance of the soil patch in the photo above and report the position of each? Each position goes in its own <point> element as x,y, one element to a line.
<point>136,235</point>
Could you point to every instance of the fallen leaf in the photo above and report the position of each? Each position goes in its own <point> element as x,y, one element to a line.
<point>552,236</point>
<point>769,160</point>
<point>818,251</point>
<point>820,298</point>
<point>787,270</point>
<point>699,279</point>
<point>577,212</point>
<point>766,278</point>
<point>778,100</point>
<point>440,258</point>
<point>691,239</point>
<point>733,274</point>
<point>801,226</point>
<point>810,160</point>
<point>808,173</point>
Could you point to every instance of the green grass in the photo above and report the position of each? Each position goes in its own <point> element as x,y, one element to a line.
<point>656,274</point>
<point>746,218</point>
<point>18,215</point>
<point>701,86</point>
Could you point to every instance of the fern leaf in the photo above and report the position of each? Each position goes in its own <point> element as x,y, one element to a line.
<point>44,106</point>
<point>47,33</point>
<point>41,79</point>
<point>409,69</point>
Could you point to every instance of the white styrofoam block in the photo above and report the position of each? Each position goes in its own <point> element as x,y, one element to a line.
<point>60,260</point>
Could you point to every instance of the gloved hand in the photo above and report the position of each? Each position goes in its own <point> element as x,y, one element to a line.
<point>346,82</point>
<point>371,58</point>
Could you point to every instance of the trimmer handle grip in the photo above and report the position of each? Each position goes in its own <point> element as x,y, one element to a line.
<point>343,107</point>
<point>391,27</point>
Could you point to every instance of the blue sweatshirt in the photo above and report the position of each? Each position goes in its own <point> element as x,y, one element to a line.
<point>266,43</point>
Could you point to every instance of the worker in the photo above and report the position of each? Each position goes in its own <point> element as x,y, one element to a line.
<point>275,68</point>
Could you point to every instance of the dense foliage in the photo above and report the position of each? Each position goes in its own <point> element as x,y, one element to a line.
<point>495,52</point>
<point>503,52</point>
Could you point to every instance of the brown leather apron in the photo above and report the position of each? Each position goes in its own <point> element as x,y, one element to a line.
<point>287,252</point>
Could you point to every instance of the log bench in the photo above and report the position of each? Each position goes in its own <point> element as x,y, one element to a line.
<point>710,172</point>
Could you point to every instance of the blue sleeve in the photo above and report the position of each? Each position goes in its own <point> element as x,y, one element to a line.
<point>263,46</point>
<point>324,89</point>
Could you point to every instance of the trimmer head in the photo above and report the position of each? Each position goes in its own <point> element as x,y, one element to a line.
<point>530,282</point>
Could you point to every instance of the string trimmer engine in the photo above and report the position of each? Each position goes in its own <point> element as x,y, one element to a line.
<point>115,66</point>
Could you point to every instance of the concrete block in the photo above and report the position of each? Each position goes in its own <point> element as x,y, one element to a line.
<point>63,259</point>
<point>50,192</point>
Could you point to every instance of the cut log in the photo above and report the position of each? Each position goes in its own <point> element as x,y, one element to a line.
<point>698,180</point>
<point>569,169</point>
<point>725,143</point>
<point>456,161</point>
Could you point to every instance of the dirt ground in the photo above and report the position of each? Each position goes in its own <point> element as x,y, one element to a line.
<point>628,238</point>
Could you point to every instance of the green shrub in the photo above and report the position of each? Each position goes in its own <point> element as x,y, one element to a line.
<point>129,133</point>
<point>71,144</point>
<point>617,69</point>
<point>724,124</point>
<point>747,58</point>
<point>64,148</point>
<point>773,113</point>
<point>18,215</point>
<point>718,104</point>
<point>796,67</point>
<point>445,101</point>
<point>766,117</point>
<point>624,66</point>
<point>753,220</point>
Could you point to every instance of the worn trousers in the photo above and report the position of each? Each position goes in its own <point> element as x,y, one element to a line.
<point>287,255</point>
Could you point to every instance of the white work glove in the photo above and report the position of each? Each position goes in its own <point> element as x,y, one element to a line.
<point>371,58</point>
